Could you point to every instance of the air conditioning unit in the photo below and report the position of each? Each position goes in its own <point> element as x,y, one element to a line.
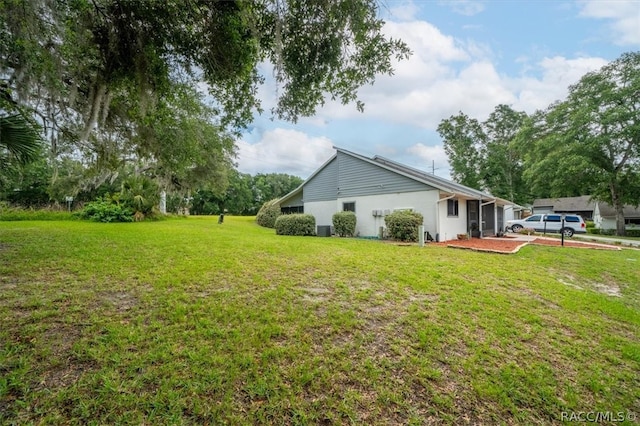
<point>323,231</point>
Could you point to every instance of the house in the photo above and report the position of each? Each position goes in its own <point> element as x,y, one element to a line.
<point>375,187</point>
<point>604,216</point>
<point>601,213</point>
<point>575,205</point>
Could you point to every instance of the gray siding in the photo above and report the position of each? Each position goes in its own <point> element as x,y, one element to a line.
<point>294,201</point>
<point>324,185</point>
<point>359,178</point>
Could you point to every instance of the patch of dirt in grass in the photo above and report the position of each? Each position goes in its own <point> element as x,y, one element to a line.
<point>569,283</point>
<point>65,376</point>
<point>608,289</point>
<point>121,300</point>
<point>609,286</point>
<point>8,283</point>
<point>64,369</point>
<point>315,294</point>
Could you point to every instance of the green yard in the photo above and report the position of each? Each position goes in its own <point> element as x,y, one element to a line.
<point>191,322</point>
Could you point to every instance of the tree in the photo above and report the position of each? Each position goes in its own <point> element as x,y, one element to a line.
<point>484,155</point>
<point>463,139</point>
<point>501,166</point>
<point>594,136</point>
<point>271,186</point>
<point>95,68</point>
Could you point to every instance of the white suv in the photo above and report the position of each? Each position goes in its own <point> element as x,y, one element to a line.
<point>573,224</point>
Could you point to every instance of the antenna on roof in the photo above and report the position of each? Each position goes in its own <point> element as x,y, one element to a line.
<point>433,167</point>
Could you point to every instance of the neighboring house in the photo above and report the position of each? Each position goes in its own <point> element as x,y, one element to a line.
<point>576,205</point>
<point>601,213</point>
<point>375,187</point>
<point>605,216</point>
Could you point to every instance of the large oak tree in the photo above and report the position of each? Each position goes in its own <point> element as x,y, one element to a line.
<point>102,75</point>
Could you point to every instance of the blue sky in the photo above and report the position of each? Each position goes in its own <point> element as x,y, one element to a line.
<point>468,56</point>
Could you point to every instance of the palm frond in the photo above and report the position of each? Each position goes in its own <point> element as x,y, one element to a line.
<point>19,137</point>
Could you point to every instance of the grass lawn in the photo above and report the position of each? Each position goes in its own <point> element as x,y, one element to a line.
<point>191,322</point>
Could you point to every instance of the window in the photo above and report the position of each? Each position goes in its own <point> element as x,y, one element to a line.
<point>534,218</point>
<point>349,207</point>
<point>452,208</point>
<point>292,209</point>
<point>571,219</point>
<point>553,218</point>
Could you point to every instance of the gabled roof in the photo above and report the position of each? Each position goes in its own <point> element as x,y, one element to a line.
<point>607,210</point>
<point>582,203</point>
<point>434,181</point>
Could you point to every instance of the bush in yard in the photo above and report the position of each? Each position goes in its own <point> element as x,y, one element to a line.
<point>296,224</point>
<point>632,233</point>
<point>268,213</point>
<point>344,223</point>
<point>527,231</point>
<point>106,209</point>
<point>403,225</point>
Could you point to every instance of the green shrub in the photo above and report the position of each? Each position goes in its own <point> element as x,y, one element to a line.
<point>268,213</point>
<point>296,224</point>
<point>608,231</point>
<point>590,224</point>
<point>635,233</point>
<point>106,210</point>
<point>403,225</point>
<point>527,231</point>
<point>344,223</point>
<point>141,195</point>
<point>595,231</point>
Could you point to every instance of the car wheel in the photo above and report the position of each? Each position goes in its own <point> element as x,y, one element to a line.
<point>516,228</point>
<point>568,232</point>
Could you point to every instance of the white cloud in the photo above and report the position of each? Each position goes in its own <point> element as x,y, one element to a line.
<point>446,75</point>
<point>284,151</point>
<point>558,73</point>
<point>625,17</point>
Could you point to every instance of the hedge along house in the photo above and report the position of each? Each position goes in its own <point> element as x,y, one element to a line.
<point>375,187</point>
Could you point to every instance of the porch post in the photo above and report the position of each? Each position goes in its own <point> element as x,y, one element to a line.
<point>480,217</point>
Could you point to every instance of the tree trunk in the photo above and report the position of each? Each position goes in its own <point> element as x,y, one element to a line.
<point>619,208</point>
<point>620,228</point>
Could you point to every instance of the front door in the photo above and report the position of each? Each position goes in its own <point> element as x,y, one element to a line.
<point>488,220</point>
<point>473,218</point>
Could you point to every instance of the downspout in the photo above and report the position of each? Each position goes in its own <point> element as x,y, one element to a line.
<point>494,215</point>
<point>438,214</point>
